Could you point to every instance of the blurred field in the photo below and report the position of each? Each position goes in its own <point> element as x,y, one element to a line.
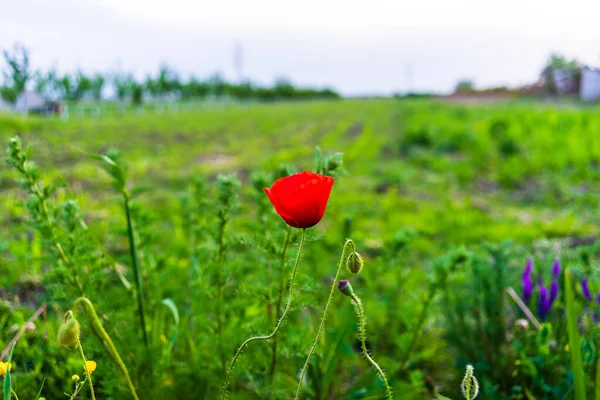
<point>426,177</point>
<point>457,173</point>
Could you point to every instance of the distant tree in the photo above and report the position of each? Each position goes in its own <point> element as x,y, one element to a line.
<point>48,84</point>
<point>137,93</point>
<point>558,62</point>
<point>16,73</point>
<point>123,84</point>
<point>97,85</point>
<point>168,79</point>
<point>82,85</point>
<point>194,88</point>
<point>67,86</point>
<point>464,86</point>
<point>166,82</point>
<point>216,84</point>
<point>284,88</point>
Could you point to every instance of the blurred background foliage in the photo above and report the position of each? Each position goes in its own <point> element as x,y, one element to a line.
<point>429,191</point>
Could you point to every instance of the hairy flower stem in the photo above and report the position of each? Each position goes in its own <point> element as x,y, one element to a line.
<point>88,374</point>
<point>279,323</point>
<point>349,244</point>
<point>360,313</point>
<point>105,339</point>
<point>279,298</point>
<point>136,266</point>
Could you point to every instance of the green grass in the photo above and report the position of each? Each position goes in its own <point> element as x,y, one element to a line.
<point>421,179</point>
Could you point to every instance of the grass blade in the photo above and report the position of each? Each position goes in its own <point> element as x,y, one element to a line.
<point>574,339</point>
<point>170,304</point>
<point>39,394</point>
<point>7,376</point>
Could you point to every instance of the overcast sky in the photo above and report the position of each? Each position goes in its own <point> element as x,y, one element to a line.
<point>356,47</point>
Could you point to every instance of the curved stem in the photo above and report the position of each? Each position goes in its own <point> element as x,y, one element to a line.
<point>107,342</point>
<point>285,311</point>
<point>360,312</point>
<point>342,262</point>
<point>87,372</point>
<point>279,298</point>
<point>14,393</point>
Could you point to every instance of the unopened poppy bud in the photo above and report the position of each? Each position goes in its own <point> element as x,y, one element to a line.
<point>470,386</point>
<point>345,287</point>
<point>68,334</point>
<point>355,263</point>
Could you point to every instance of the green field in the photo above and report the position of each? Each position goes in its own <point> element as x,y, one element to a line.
<point>444,201</point>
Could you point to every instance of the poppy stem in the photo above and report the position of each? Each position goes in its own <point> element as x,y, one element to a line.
<point>88,374</point>
<point>360,313</point>
<point>280,297</point>
<point>349,243</point>
<point>279,323</point>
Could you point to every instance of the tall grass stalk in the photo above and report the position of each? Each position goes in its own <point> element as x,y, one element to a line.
<point>136,266</point>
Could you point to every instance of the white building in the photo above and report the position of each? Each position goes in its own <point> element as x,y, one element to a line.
<point>30,101</point>
<point>590,84</point>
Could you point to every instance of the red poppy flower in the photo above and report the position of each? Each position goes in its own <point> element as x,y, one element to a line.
<point>301,199</point>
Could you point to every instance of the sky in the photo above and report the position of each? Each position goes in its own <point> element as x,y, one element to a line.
<point>356,47</point>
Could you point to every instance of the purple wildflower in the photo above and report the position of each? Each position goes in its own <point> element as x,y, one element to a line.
<point>543,305</point>
<point>528,268</point>
<point>585,289</point>
<point>598,299</point>
<point>553,291</point>
<point>527,289</point>
<point>526,281</point>
<point>556,268</point>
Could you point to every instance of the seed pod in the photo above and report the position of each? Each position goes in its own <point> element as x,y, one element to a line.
<point>470,386</point>
<point>68,334</point>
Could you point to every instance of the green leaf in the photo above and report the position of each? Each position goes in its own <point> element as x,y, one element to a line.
<point>170,304</point>
<point>574,339</point>
<point>116,171</point>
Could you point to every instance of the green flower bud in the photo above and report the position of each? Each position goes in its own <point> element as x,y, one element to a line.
<point>345,287</point>
<point>68,334</point>
<point>355,263</point>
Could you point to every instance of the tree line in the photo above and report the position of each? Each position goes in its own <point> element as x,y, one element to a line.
<point>18,75</point>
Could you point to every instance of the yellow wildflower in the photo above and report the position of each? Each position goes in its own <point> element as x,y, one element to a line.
<point>4,367</point>
<point>90,366</point>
